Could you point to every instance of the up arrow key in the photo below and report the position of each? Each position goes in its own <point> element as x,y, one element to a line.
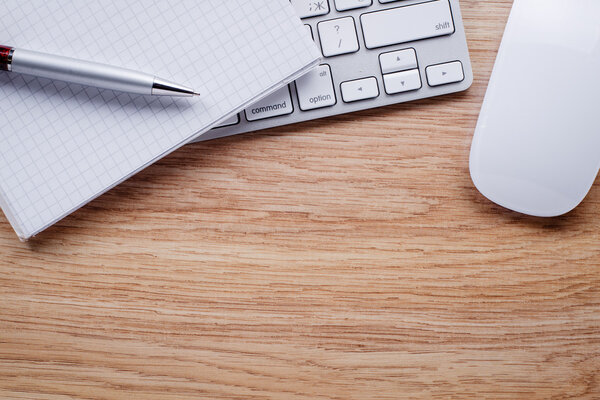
<point>397,61</point>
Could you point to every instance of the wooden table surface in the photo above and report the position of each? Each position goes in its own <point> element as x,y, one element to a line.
<point>348,258</point>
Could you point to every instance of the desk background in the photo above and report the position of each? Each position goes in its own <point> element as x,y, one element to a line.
<point>349,258</point>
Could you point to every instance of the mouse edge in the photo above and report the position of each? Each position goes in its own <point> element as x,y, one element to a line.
<point>477,182</point>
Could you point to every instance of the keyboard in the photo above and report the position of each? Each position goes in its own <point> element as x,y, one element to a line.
<point>375,53</point>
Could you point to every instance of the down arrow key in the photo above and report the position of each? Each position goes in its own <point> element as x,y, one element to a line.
<point>400,82</point>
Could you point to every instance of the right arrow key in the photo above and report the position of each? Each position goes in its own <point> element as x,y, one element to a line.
<point>444,74</point>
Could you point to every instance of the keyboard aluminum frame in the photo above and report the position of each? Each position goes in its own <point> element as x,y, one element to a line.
<point>364,64</point>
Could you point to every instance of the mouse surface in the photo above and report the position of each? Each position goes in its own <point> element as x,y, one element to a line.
<point>536,148</point>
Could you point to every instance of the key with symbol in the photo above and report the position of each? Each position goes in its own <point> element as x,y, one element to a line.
<point>400,82</point>
<point>311,8</point>
<point>444,74</point>
<point>338,36</point>
<point>360,89</point>
<point>397,61</point>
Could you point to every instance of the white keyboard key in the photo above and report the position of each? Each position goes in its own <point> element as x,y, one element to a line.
<point>361,89</point>
<point>344,5</point>
<point>408,23</point>
<point>338,36</point>
<point>398,61</point>
<point>315,89</point>
<point>274,105</point>
<point>400,82</point>
<point>229,121</point>
<point>311,8</point>
<point>444,74</point>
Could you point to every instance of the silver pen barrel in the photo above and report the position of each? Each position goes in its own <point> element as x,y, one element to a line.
<point>93,74</point>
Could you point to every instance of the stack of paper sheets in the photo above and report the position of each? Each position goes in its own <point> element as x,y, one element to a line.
<point>62,145</point>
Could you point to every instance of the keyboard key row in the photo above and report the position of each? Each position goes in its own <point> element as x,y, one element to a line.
<point>316,89</point>
<point>380,28</point>
<point>315,8</point>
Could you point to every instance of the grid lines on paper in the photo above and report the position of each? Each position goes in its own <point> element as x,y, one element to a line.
<point>66,144</point>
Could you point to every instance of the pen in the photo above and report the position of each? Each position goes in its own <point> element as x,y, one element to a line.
<point>88,73</point>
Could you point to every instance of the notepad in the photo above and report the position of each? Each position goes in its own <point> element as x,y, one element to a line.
<point>62,145</point>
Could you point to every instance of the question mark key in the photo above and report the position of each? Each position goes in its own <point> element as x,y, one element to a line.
<point>338,36</point>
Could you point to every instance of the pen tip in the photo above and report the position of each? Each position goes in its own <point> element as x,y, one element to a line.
<point>196,94</point>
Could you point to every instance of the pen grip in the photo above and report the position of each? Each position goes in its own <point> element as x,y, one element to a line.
<point>81,72</point>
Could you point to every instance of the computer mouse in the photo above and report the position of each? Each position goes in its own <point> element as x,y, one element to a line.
<point>536,148</point>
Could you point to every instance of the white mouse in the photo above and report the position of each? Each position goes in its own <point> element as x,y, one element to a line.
<point>536,148</point>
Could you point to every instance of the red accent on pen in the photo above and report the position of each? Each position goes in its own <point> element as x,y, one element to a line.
<point>4,57</point>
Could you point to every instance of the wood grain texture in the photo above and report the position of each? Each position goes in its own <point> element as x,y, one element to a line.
<point>349,258</point>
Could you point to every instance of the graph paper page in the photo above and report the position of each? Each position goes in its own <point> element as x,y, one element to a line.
<point>62,145</point>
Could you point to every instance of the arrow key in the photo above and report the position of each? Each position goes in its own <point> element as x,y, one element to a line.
<point>360,89</point>
<point>443,74</point>
<point>397,61</point>
<point>400,82</point>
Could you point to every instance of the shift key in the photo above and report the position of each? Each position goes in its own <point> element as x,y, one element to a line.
<point>407,23</point>
<point>315,89</point>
